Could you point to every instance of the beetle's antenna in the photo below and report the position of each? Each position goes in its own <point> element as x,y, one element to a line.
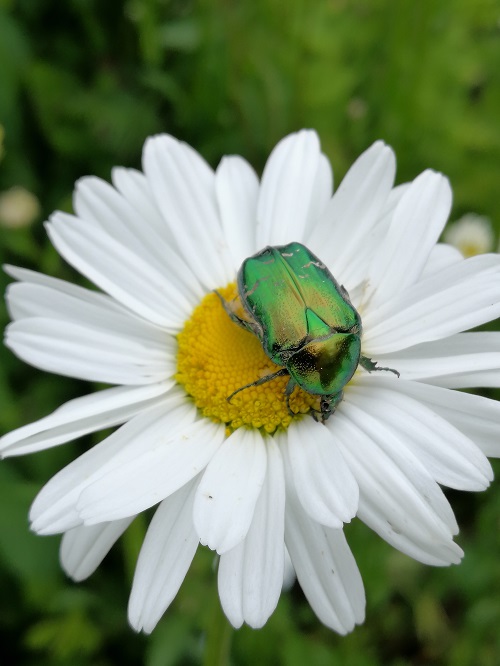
<point>227,307</point>
<point>247,325</point>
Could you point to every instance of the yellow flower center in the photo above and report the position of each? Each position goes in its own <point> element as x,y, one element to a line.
<point>217,357</point>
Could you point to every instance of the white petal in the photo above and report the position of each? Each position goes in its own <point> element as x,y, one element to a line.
<point>26,300</point>
<point>395,485</point>
<point>166,555</point>
<point>289,576</point>
<point>227,494</point>
<point>237,189</point>
<point>119,271</point>
<point>441,256</point>
<point>78,417</point>
<point>183,186</point>
<point>460,361</point>
<point>416,225</point>
<point>392,201</point>
<point>323,481</point>
<point>321,194</point>
<point>451,458</point>
<point>84,548</point>
<point>54,508</point>
<point>442,554</point>
<point>75,292</point>
<point>99,204</point>
<point>353,211</point>
<point>461,296</point>
<point>287,188</point>
<point>354,274</point>
<point>251,574</point>
<point>96,202</point>
<point>325,567</point>
<point>477,417</point>
<point>134,186</point>
<point>161,468</point>
<point>80,351</point>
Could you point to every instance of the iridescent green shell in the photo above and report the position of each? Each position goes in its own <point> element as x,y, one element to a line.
<point>302,316</point>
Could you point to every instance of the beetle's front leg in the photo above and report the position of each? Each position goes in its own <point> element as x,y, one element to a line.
<point>288,392</point>
<point>370,365</point>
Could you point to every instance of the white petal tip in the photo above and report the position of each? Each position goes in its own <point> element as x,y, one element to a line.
<point>40,528</point>
<point>238,623</point>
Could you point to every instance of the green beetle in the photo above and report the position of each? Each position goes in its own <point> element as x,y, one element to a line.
<point>304,320</point>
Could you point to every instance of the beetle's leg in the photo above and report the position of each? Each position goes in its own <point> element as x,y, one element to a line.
<point>328,405</point>
<point>370,365</point>
<point>258,382</point>
<point>288,392</point>
<point>233,316</point>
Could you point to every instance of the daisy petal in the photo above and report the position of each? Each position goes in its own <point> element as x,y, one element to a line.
<point>119,271</point>
<point>353,276</point>
<point>251,574</point>
<point>392,200</point>
<point>97,202</point>
<point>475,416</point>
<point>54,508</point>
<point>465,360</point>
<point>84,548</point>
<point>100,204</point>
<point>461,296</point>
<point>416,225</point>
<point>442,554</point>
<point>151,474</point>
<point>354,209</point>
<point>134,186</point>
<point>325,567</point>
<point>166,555</point>
<point>321,195</point>
<point>289,576</point>
<point>183,186</point>
<point>81,416</point>
<point>227,494</point>
<point>237,189</point>
<point>287,187</point>
<point>323,481</point>
<point>80,294</point>
<point>79,351</point>
<point>451,458</point>
<point>26,300</point>
<point>394,484</point>
<point>441,256</point>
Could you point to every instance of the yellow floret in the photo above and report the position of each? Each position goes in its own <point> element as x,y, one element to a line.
<point>217,357</point>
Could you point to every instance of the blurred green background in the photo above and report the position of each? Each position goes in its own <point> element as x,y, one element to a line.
<point>82,83</point>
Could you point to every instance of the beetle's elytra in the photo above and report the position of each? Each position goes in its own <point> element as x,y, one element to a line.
<point>304,320</point>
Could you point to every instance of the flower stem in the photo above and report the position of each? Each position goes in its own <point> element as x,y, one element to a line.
<point>219,635</point>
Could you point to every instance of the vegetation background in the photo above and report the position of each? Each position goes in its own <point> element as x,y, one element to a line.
<point>82,83</point>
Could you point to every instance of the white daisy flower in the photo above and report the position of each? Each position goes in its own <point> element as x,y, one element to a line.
<point>19,208</point>
<point>244,477</point>
<point>472,234</point>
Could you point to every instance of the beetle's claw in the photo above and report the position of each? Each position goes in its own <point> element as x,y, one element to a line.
<point>317,415</point>
<point>371,366</point>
